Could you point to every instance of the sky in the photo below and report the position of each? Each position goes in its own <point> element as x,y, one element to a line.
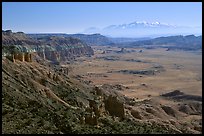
<point>75,17</point>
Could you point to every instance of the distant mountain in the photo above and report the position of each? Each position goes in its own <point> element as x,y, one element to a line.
<point>98,39</point>
<point>92,30</point>
<point>189,42</point>
<point>141,25</point>
<point>90,39</point>
<point>144,29</point>
<point>127,40</point>
<point>94,39</point>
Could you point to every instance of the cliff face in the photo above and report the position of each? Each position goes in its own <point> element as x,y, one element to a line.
<point>19,38</point>
<point>188,42</point>
<point>94,39</point>
<point>63,48</point>
<point>53,48</point>
<point>90,39</point>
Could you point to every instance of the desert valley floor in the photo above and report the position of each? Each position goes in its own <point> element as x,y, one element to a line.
<point>174,70</point>
<point>160,91</point>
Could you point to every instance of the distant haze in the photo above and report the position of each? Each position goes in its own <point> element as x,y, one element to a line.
<point>144,29</point>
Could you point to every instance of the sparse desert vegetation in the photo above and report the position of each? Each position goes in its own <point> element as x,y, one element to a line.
<point>153,78</point>
<point>75,68</point>
<point>111,90</point>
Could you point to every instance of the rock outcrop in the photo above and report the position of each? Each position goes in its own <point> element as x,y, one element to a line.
<point>136,114</point>
<point>28,57</point>
<point>170,111</point>
<point>178,95</point>
<point>97,106</point>
<point>91,119</point>
<point>20,56</point>
<point>52,55</point>
<point>19,38</point>
<point>53,48</point>
<point>66,54</point>
<point>114,106</point>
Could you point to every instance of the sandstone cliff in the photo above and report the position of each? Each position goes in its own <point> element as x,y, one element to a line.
<point>52,48</point>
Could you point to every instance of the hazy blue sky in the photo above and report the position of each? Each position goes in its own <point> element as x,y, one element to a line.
<point>73,17</point>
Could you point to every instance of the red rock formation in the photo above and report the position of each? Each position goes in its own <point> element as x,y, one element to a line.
<point>28,57</point>
<point>64,48</point>
<point>19,56</point>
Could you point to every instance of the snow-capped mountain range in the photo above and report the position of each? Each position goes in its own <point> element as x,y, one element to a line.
<point>140,24</point>
<point>143,28</point>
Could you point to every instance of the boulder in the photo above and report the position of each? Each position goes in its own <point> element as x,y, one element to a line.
<point>136,114</point>
<point>50,75</point>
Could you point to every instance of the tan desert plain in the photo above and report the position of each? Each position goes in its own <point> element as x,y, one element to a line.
<point>174,71</point>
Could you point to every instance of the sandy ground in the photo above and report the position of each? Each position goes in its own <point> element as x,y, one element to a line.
<point>183,71</point>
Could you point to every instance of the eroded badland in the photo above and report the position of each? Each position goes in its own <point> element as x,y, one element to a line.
<point>60,85</point>
<point>144,75</point>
